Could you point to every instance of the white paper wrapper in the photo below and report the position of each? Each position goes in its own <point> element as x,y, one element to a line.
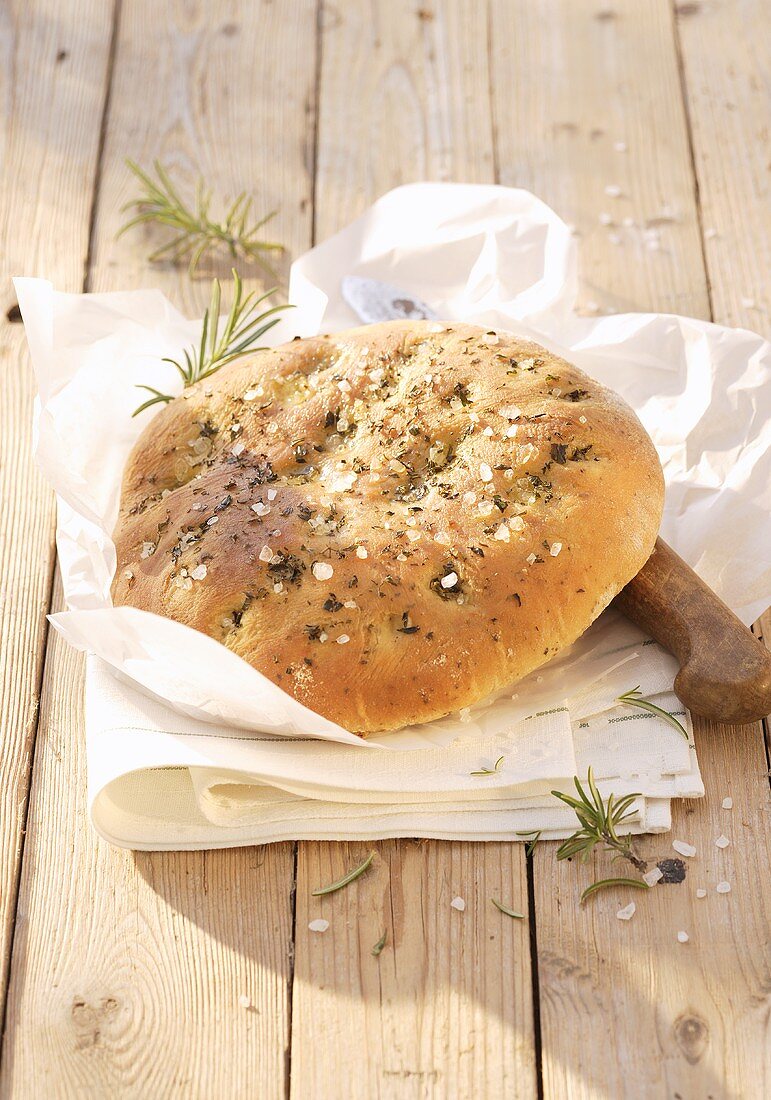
<point>490,255</point>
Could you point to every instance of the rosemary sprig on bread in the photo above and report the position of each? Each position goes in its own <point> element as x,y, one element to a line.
<point>196,232</point>
<point>244,326</point>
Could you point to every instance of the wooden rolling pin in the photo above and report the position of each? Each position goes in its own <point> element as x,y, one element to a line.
<point>725,671</point>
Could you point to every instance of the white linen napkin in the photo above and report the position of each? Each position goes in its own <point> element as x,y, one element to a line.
<point>190,747</point>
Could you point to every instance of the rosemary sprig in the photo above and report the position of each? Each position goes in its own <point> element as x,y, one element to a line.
<point>196,232</point>
<point>244,326</point>
<point>635,698</point>
<point>505,909</point>
<point>599,822</point>
<point>351,876</point>
<point>490,771</point>
<point>534,836</point>
<point>378,947</point>
<point>603,883</point>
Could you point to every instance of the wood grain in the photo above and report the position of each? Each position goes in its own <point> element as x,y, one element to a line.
<point>128,969</point>
<point>726,56</point>
<point>626,1010</point>
<point>52,74</point>
<point>725,673</point>
<point>571,79</point>
<point>446,1010</point>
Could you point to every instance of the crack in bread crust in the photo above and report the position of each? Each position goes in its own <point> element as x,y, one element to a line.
<point>392,522</point>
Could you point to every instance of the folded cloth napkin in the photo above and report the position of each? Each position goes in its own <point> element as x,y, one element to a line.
<point>188,747</point>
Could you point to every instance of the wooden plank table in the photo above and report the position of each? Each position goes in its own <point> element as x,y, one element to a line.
<point>121,973</point>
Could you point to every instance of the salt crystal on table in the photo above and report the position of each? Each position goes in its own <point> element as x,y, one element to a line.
<point>748,303</point>
<point>710,233</point>
<point>628,912</point>
<point>723,888</point>
<point>728,803</point>
<point>619,146</point>
<point>682,937</point>
<point>458,903</point>
<point>722,842</point>
<point>701,893</point>
<point>683,848</point>
<point>319,925</point>
<point>653,876</point>
<point>605,218</point>
<point>244,1001</point>
<point>613,191</point>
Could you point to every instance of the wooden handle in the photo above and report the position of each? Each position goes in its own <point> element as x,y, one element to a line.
<point>725,671</point>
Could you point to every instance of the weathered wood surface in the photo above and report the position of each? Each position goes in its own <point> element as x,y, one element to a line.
<point>52,88</point>
<point>127,970</point>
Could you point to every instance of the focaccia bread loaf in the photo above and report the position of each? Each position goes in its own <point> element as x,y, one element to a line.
<point>391,522</point>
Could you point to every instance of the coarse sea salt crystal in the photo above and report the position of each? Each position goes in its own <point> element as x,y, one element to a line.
<point>727,803</point>
<point>485,473</point>
<point>722,842</point>
<point>260,508</point>
<point>322,570</point>
<point>252,395</point>
<point>414,536</point>
<point>555,549</point>
<point>458,903</point>
<point>237,448</point>
<point>530,559</point>
<point>278,587</point>
<point>342,639</point>
<point>502,534</point>
<point>683,848</point>
<point>212,520</point>
<point>723,887</point>
<point>318,925</point>
<point>516,523</point>
<point>198,573</point>
<point>487,431</point>
<point>491,338</point>
<point>469,498</point>
<point>653,876</point>
<point>272,494</point>
<point>627,912</point>
<point>449,580</point>
<point>511,431</point>
<point>350,604</point>
<point>701,893</point>
<point>361,552</point>
<point>682,937</point>
<point>266,553</point>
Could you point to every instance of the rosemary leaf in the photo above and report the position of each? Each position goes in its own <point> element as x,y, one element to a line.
<point>535,836</point>
<point>243,327</point>
<point>380,944</point>
<point>603,883</point>
<point>196,232</point>
<point>490,771</point>
<point>505,909</point>
<point>635,698</point>
<point>351,876</point>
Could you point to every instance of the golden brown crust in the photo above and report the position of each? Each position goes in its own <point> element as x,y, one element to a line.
<point>458,505</point>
